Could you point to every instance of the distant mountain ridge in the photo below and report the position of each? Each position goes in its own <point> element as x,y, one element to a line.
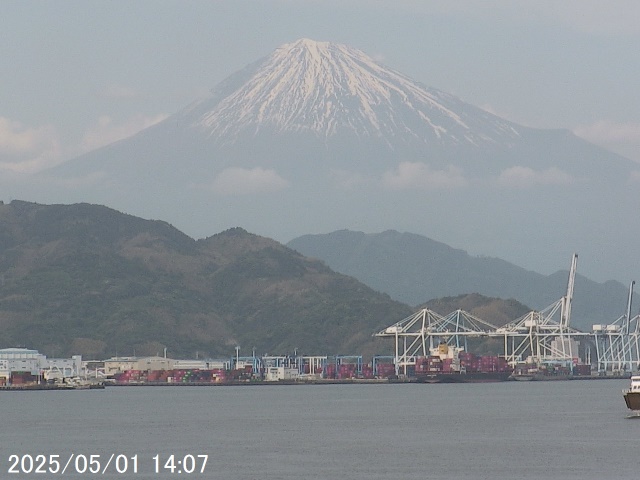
<point>415,269</point>
<point>86,279</point>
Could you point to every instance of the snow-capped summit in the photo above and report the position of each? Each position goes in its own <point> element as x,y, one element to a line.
<point>329,89</point>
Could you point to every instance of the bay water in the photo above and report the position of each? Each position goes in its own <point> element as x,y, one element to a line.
<point>511,430</point>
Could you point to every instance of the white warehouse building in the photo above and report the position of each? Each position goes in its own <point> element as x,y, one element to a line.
<point>31,361</point>
<point>20,360</point>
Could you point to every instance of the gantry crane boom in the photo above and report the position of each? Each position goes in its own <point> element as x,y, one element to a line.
<point>628,317</point>
<point>566,304</point>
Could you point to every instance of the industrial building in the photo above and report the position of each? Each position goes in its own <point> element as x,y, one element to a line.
<point>19,360</point>
<point>122,364</point>
<point>18,364</point>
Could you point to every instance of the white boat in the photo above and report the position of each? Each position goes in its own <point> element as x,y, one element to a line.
<point>632,394</point>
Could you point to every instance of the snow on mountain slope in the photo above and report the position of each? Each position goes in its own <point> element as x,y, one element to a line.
<point>327,88</point>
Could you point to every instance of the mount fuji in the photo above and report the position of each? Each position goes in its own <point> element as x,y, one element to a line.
<point>328,90</point>
<point>318,136</point>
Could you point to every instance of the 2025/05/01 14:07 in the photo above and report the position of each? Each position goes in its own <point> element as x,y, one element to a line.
<point>90,464</point>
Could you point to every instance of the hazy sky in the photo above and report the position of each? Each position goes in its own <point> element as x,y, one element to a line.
<point>76,75</point>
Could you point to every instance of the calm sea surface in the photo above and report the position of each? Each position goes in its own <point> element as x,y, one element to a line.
<point>512,430</point>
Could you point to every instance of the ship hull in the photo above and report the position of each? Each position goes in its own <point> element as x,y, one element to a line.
<point>527,377</point>
<point>632,399</point>
<point>470,377</point>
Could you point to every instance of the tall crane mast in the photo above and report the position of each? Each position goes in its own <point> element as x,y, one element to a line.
<point>628,317</point>
<point>566,301</point>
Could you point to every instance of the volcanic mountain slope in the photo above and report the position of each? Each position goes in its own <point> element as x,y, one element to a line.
<point>317,136</point>
<point>325,102</point>
<point>87,279</point>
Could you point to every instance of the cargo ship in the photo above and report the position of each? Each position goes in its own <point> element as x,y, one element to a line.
<point>447,364</point>
<point>632,394</point>
<point>551,370</point>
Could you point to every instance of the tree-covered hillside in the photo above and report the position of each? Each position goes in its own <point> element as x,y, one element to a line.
<point>87,279</point>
